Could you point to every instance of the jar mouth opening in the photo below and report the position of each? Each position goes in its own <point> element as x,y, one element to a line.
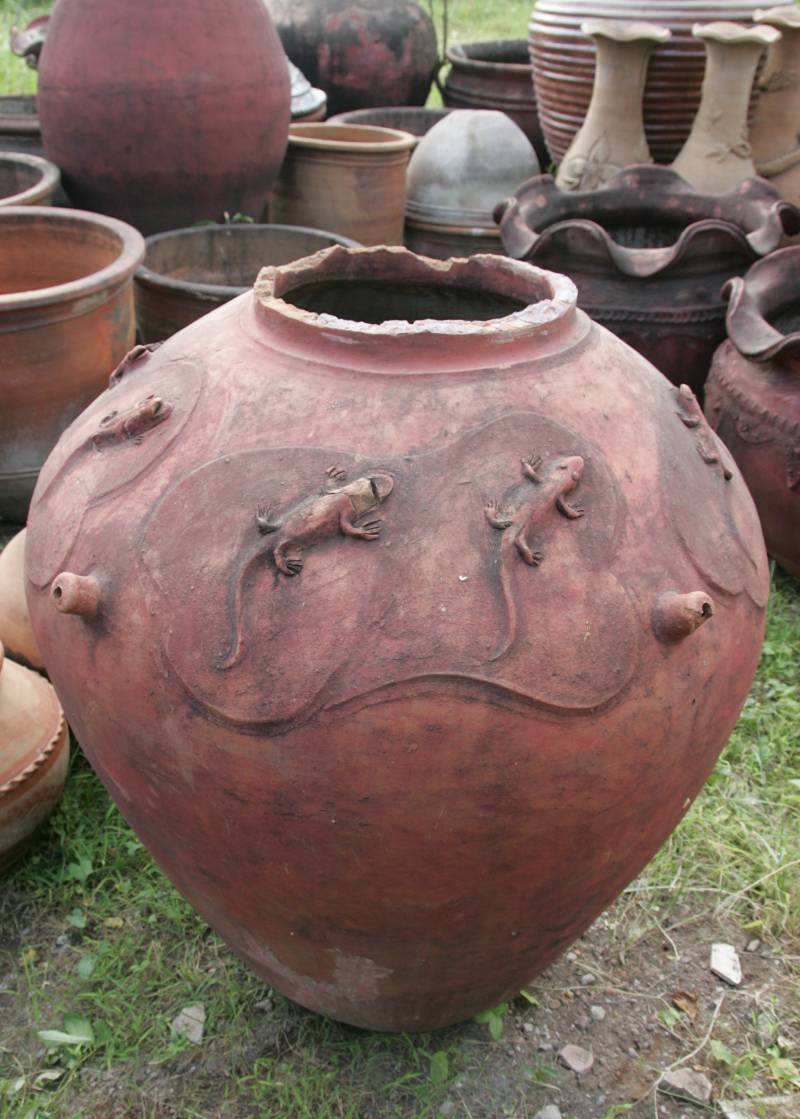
<point>393,291</point>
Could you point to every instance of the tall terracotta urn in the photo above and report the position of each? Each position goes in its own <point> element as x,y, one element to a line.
<point>563,65</point>
<point>363,53</point>
<point>436,604</point>
<point>753,395</point>
<point>164,114</point>
<point>775,134</point>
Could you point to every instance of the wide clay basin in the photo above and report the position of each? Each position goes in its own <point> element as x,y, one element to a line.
<point>27,180</point>
<point>188,272</point>
<point>66,321</point>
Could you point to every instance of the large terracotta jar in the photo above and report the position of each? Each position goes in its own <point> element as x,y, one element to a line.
<point>753,395</point>
<point>34,754</point>
<point>649,255</point>
<point>436,604</point>
<point>564,63</point>
<point>66,320</point>
<point>164,114</point>
<point>775,134</point>
<point>363,53</point>
<point>495,75</point>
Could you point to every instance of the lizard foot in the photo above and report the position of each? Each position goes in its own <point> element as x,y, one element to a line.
<point>531,466</point>
<point>496,515</point>
<point>264,519</point>
<point>289,565</point>
<point>336,473</point>
<point>532,557</point>
<point>371,530</point>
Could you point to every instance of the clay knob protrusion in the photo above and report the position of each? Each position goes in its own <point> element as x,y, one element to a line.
<point>76,594</point>
<point>676,616</point>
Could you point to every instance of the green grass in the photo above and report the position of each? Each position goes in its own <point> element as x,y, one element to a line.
<point>15,76</point>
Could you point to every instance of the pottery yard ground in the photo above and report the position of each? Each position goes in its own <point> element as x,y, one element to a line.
<point>99,955</point>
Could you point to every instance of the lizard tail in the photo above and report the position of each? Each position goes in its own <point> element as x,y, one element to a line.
<point>509,604</point>
<point>235,610</point>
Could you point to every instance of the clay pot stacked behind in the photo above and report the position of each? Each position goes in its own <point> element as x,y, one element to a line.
<point>753,395</point>
<point>27,180</point>
<point>464,166</point>
<point>19,125</point>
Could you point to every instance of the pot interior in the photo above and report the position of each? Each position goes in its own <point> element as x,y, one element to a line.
<point>655,232</point>
<point>16,176</point>
<point>47,250</point>
<point>231,256</point>
<point>786,318</point>
<point>378,301</point>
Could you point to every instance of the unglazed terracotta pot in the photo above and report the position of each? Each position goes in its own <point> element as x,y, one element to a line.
<point>563,65</point>
<point>66,320</point>
<point>16,632</point>
<point>348,178</point>
<point>27,180</point>
<point>19,125</point>
<point>649,255</point>
<point>408,118</point>
<point>496,75</point>
<point>753,395</point>
<point>612,136</point>
<point>363,53</point>
<point>462,168</point>
<point>717,156</point>
<point>34,754</point>
<point>188,272</point>
<point>457,601</point>
<point>775,133</point>
<point>198,131</point>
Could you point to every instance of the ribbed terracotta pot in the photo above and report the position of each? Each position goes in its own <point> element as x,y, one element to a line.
<point>27,180</point>
<point>198,130</point>
<point>649,255</point>
<point>348,178</point>
<point>34,754</point>
<point>363,53</point>
<point>563,65</point>
<point>188,272</point>
<point>496,74</point>
<point>753,395</point>
<point>66,320</point>
<point>16,632</point>
<point>436,604</point>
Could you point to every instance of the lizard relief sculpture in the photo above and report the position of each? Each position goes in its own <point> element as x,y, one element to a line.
<point>691,415</point>
<point>553,481</point>
<point>131,423</point>
<point>331,512</point>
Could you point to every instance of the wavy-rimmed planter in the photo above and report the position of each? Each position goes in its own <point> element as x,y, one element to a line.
<point>348,178</point>
<point>34,754</point>
<point>66,320</point>
<point>188,272</point>
<point>412,629</point>
<point>461,169</point>
<point>753,395</point>
<point>27,180</point>
<point>496,74</point>
<point>649,255</point>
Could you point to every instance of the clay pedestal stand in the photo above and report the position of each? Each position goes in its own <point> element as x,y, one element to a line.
<point>717,155</point>
<point>775,132</point>
<point>347,178</point>
<point>612,136</point>
<point>753,395</point>
<point>34,752</point>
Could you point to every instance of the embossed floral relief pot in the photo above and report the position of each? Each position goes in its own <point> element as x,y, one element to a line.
<point>445,648</point>
<point>753,395</point>
<point>649,254</point>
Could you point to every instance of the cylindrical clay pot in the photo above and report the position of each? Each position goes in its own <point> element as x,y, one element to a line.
<point>34,754</point>
<point>348,178</point>
<point>649,255</point>
<point>564,64</point>
<point>188,272</point>
<point>436,604</point>
<point>66,320</point>
<point>753,395</point>
<point>198,131</point>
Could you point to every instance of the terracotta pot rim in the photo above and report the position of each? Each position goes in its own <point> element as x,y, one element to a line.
<point>49,178</point>
<point>457,56</point>
<point>352,138</point>
<point>131,253</point>
<point>769,286</point>
<point>752,219</point>
<point>553,297</point>
<point>162,280</point>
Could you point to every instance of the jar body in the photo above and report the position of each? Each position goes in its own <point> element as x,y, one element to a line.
<point>201,131</point>
<point>399,774</point>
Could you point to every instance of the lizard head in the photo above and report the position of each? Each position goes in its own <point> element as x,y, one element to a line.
<point>572,467</point>
<point>381,486</point>
<point>366,493</point>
